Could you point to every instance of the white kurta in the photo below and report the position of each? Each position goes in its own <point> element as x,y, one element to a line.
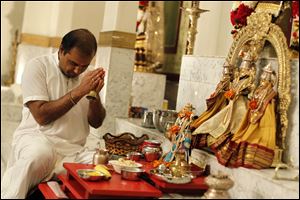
<point>43,80</point>
<point>36,149</point>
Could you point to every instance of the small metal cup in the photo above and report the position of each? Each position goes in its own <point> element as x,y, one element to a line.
<point>148,119</point>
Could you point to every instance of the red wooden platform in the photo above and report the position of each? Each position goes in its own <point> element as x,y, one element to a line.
<point>115,187</point>
<point>47,192</point>
<point>77,188</point>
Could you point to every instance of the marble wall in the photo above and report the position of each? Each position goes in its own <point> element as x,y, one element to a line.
<point>200,75</point>
<point>11,114</point>
<point>25,53</point>
<point>198,79</point>
<point>148,90</point>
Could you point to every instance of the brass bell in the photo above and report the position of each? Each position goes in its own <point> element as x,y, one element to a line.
<point>92,95</point>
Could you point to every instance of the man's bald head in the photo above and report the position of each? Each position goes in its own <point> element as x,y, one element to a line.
<point>83,39</point>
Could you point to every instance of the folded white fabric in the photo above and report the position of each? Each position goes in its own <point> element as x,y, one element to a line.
<point>57,190</point>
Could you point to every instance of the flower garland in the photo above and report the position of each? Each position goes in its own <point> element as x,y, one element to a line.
<point>239,12</point>
<point>295,25</point>
<point>141,17</point>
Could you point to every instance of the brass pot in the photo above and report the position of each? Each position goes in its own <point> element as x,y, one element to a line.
<point>219,185</point>
<point>101,156</point>
<point>180,167</point>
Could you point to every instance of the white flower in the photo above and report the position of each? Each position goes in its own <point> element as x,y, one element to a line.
<point>235,5</point>
<point>250,4</point>
<point>140,15</point>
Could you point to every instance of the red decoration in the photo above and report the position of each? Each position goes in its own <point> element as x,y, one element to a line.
<point>295,8</point>
<point>295,35</point>
<point>239,13</point>
<point>253,104</point>
<point>143,3</point>
<point>295,26</point>
<point>229,94</point>
<point>239,16</point>
<point>232,16</point>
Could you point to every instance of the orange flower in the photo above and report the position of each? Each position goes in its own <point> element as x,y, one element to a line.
<point>174,129</point>
<point>156,163</point>
<point>184,114</point>
<point>229,94</point>
<point>188,114</point>
<point>253,104</point>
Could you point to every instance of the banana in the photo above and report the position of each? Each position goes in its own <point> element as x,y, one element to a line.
<point>100,165</point>
<point>103,169</point>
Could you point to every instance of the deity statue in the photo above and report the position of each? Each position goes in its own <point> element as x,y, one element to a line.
<point>182,133</point>
<point>214,104</point>
<point>220,126</point>
<point>253,144</point>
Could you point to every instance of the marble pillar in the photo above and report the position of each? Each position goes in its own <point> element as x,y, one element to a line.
<point>116,56</point>
<point>27,51</point>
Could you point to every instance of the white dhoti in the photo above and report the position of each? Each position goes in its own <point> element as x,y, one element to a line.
<point>33,160</point>
<point>39,150</point>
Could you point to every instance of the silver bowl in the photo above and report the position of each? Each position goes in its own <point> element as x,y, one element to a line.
<point>161,117</point>
<point>131,174</point>
<point>136,156</point>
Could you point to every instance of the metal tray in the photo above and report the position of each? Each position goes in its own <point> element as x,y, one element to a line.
<point>87,175</point>
<point>171,179</point>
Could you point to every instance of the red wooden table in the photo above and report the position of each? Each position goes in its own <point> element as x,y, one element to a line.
<point>77,188</point>
<point>115,187</point>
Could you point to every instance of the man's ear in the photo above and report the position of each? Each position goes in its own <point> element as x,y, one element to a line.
<point>61,49</point>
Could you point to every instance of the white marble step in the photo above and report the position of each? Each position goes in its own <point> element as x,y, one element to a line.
<point>248,183</point>
<point>257,184</point>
